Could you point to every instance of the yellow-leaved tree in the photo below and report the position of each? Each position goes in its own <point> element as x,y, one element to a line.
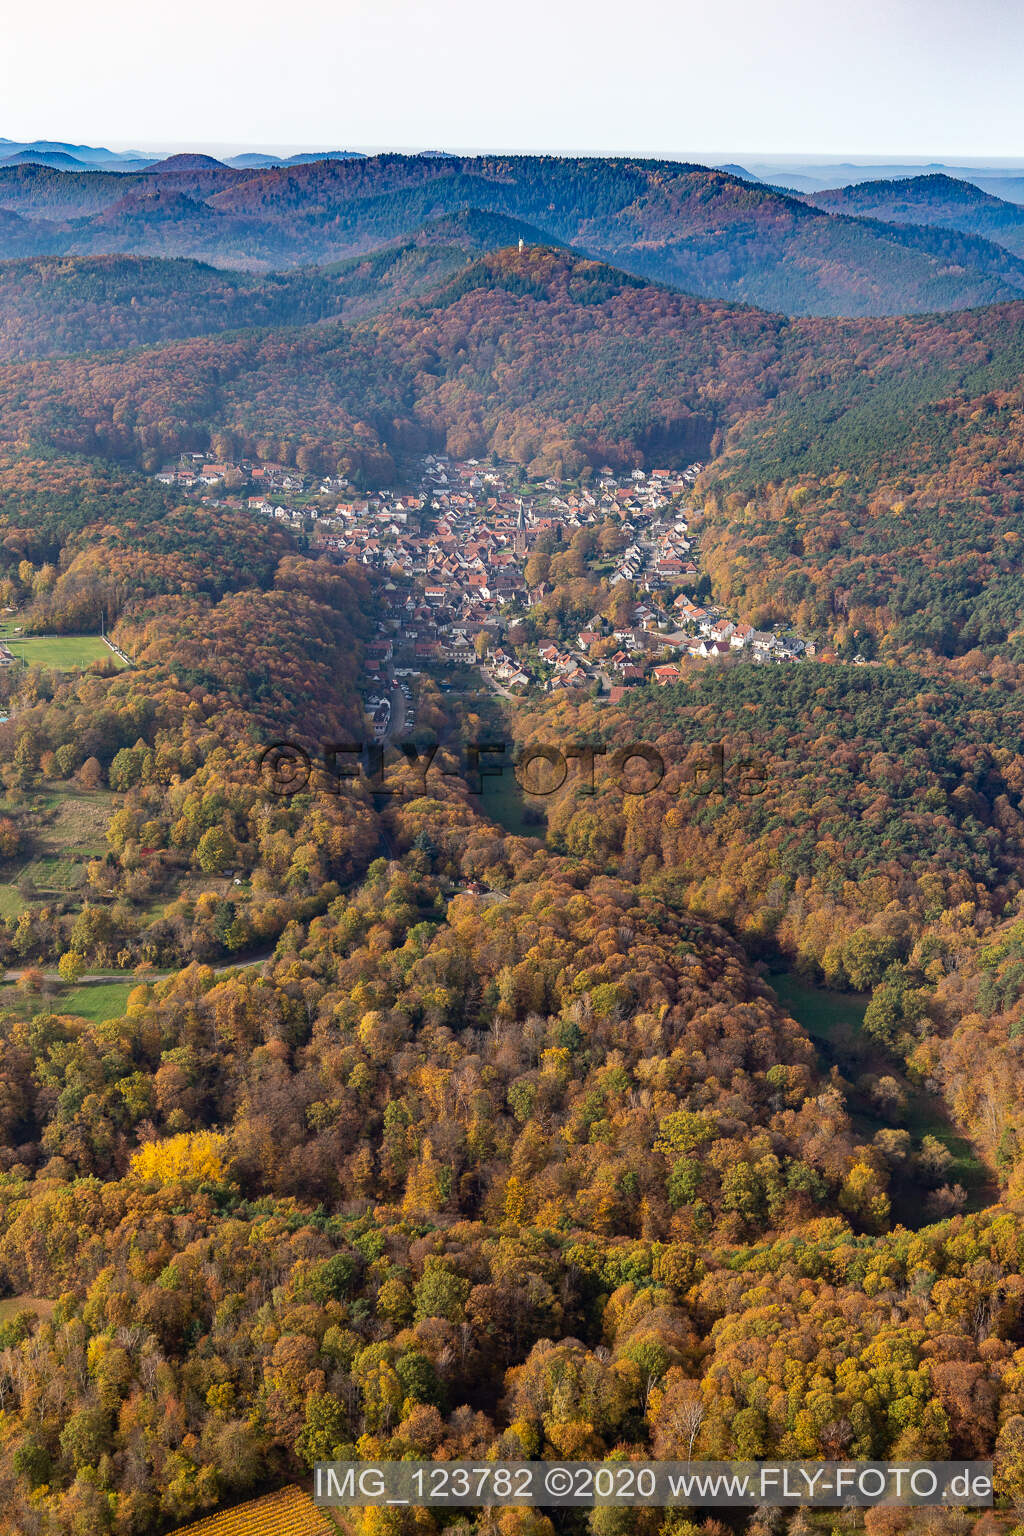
<point>194,1155</point>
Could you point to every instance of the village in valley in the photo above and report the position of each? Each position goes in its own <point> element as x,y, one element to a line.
<point>477,566</point>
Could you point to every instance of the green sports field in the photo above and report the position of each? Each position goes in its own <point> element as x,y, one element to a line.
<point>64,652</point>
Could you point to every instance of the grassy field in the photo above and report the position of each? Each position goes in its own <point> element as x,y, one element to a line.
<point>97,1000</point>
<point>12,1305</point>
<point>93,1000</point>
<point>67,827</point>
<point>822,1013</point>
<point>62,652</point>
<point>80,822</point>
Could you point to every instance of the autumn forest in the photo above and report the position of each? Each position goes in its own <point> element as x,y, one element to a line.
<point>396,1119</point>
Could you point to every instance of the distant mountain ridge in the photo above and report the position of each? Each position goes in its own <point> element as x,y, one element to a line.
<point>255,160</point>
<point>55,159</point>
<point>737,170</point>
<point>937,200</point>
<point>703,231</point>
<point>48,151</point>
<point>189,162</point>
<point>820,176</point>
<point>77,157</point>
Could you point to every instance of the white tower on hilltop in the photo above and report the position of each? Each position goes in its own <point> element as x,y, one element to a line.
<point>522,243</point>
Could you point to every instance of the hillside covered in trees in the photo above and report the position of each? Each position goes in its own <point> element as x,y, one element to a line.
<point>938,200</point>
<point>705,231</point>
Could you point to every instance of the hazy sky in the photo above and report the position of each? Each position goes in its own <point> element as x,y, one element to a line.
<point>900,77</point>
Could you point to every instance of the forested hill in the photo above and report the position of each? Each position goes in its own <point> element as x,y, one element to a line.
<point>593,363</point>
<point>705,231</point>
<point>880,498</point>
<point>942,201</point>
<point>535,354</point>
<point>66,304</point>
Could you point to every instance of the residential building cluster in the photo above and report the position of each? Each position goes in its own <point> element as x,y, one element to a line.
<point>456,579</point>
